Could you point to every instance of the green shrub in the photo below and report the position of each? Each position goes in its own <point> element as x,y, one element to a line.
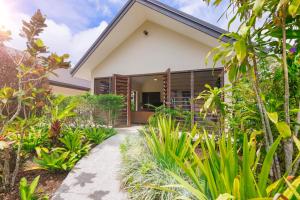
<point>98,135</point>
<point>87,112</point>
<point>37,136</point>
<point>34,136</point>
<point>57,159</point>
<point>111,105</point>
<point>233,172</point>
<point>175,113</point>
<point>59,114</point>
<point>164,139</point>
<point>141,174</point>
<point>73,141</point>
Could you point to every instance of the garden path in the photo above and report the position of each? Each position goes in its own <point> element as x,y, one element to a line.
<point>95,177</point>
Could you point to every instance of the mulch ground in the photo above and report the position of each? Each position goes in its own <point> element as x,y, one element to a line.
<point>48,184</point>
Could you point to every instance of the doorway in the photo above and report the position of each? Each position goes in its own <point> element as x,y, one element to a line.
<point>147,93</point>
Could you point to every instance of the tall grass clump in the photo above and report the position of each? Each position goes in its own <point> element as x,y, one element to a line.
<point>235,172</point>
<point>142,175</point>
<point>165,139</point>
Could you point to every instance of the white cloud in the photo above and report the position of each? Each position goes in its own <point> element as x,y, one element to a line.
<point>192,7</point>
<point>208,13</point>
<point>58,37</point>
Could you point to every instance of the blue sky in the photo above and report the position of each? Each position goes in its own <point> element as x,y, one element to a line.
<point>73,25</point>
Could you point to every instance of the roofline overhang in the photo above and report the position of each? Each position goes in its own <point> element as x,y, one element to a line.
<point>164,9</point>
<point>68,85</point>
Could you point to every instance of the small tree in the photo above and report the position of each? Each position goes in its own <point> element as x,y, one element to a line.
<point>268,29</point>
<point>111,105</point>
<point>32,65</point>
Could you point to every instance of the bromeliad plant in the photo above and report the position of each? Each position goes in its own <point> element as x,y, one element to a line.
<point>98,135</point>
<point>58,114</point>
<point>73,141</point>
<point>57,159</point>
<point>37,135</point>
<point>64,157</point>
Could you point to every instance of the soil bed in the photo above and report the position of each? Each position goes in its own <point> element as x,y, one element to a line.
<point>48,184</point>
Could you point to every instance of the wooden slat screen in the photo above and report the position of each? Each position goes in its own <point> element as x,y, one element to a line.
<point>186,86</point>
<point>181,91</point>
<point>167,88</point>
<point>212,78</point>
<point>122,87</point>
<point>103,85</point>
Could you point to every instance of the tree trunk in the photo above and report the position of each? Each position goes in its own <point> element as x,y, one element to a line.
<point>297,127</point>
<point>18,159</point>
<point>288,143</point>
<point>6,168</point>
<point>265,120</point>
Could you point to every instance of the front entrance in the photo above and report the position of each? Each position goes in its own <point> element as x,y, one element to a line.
<point>142,93</point>
<point>147,93</point>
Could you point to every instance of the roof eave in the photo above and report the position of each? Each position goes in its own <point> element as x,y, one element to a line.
<point>68,85</point>
<point>175,14</point>
<point>103,35</point>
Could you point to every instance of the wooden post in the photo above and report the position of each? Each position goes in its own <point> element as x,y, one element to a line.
<point>115,83</point>
<point>169,88</point>
<point>128,101</point>
<point>192,99</point>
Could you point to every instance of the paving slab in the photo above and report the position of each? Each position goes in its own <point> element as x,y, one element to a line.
<point>96,176</point>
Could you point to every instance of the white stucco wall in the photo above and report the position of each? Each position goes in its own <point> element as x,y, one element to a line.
<point>161,49</point>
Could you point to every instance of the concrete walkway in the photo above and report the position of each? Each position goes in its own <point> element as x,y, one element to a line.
<point>95,177</point>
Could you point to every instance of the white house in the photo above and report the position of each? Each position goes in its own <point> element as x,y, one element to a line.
<point>152,54</point>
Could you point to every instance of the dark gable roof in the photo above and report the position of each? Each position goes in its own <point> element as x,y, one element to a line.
<point>164,9</point>
<point>63,78</point>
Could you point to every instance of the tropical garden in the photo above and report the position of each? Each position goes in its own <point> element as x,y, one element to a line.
<point>42,136</point>
<point>254,150</point>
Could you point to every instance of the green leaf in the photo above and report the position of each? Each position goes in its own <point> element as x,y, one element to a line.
<point>236,188</point>
<point>284,129</point>
<point>273,186</point>
<point>292,188</point>
<point>33,185</point>
<point>293,8</point>
<point>273,117</point>
<point>232,73</point>
<point>265,170</point>
<point>23,189</point>
<point>244,30</point>
<point>241,50</point>
<point>258,5</point>
<point>199,195</point>
<point>39,43</point>
<point>225,196</point>
<point>297,142</point>
<point>290,33</point>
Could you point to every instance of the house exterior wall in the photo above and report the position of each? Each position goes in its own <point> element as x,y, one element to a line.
<point>159,50</point>
<point>66,91</point>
